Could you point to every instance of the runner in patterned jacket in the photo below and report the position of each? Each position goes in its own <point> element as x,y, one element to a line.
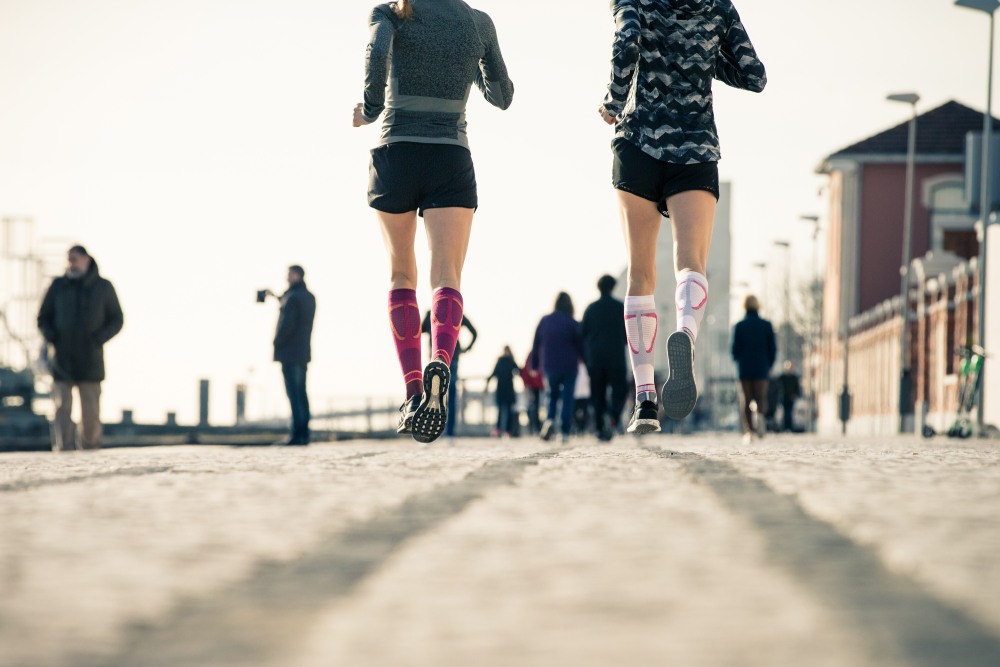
<point>666,153</point>
<point>666,53</point>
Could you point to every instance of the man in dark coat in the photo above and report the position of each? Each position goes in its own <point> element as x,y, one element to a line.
<point>604,341</point>
<point>292,348</point>
<point>79,315</point>
<point>754,351</point>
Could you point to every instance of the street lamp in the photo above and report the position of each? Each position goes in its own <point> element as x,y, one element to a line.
<point>988,7</point>
<point>786,334</point>
<point>762,267</point>
<point>816,323</point>
<point>905,376</point>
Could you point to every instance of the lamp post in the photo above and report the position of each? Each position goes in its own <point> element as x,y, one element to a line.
<point>786,334</point>
<point>815,324</point>
<point>905,375</point>
<point>988,7</point>
<point>762,267</point>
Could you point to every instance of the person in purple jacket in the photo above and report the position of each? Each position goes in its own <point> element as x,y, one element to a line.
<point>558,350</point>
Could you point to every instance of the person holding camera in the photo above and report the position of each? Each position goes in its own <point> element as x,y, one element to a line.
<point>292,349</point>
<point>422,60</point>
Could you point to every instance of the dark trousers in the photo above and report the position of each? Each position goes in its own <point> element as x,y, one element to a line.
<point>756,391</point>
<point>506,414</point>
<point>453,406</point>
<point>603,378</point>
<point>534,407</point>
<point>561,388</point>
<point>788,407</point>
<point>295,387</point>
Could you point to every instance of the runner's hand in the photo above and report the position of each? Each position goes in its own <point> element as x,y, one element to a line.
<point>359,116</point>
<point>608,118</point>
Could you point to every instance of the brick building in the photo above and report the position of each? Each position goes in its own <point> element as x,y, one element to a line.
<point>862,320</point>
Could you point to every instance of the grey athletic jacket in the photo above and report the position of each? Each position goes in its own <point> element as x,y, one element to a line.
<point>421,71</point>
<point>665,55</point>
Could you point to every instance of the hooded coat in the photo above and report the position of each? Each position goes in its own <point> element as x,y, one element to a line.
<point>78,317</point>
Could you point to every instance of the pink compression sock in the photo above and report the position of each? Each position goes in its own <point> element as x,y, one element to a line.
<point>404,318</point>
<point>446,322</point>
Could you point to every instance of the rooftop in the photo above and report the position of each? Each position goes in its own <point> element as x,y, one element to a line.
<point>940,131</point>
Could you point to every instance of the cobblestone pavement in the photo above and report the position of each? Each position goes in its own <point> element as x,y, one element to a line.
<point>662,551</point>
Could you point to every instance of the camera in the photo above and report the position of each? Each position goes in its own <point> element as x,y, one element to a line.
<point>262,295</point>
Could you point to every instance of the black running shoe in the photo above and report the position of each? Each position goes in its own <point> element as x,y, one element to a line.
<point>406,411</point>
<point>680,392</point>
<point>431,415</point>
<point>645,418</point>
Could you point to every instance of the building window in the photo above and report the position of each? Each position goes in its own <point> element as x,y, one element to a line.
<point>952,228</point>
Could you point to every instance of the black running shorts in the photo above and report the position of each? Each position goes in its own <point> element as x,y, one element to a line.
<point>407,176</point>
<point>645,176</point>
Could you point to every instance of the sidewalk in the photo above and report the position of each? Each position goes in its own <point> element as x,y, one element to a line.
<point>662,551</point>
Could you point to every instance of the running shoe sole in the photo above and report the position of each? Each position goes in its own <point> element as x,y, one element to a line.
<point>680,392</point>
<point>431,415</point>
<point>644,426</point>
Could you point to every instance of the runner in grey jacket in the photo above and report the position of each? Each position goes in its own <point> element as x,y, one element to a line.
<point>423,57</point>
<point>430,65</point>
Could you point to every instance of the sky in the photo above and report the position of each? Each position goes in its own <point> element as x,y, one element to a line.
<point>199,147</point>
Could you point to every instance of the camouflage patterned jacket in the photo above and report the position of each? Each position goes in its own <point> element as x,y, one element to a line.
<point>665,55</point>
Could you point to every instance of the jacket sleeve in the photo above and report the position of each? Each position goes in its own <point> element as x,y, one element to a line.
<point>472,330</point>
<point>46,315</point>
<point>288,322</point>
<point>578,342</point>
<point>624,54</point>
<point>383,24</point>
<point>737,344</point>
<point>114,319</point>
<point>738,65</point>
<point>492,78</point>
<point>772,346</point>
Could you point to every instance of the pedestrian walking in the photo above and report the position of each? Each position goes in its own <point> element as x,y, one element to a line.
<point>604,346</point>
<point>506,395</point>
<point>791,391</point>
<point>454,399</point>
<point>754,351</point>
<point>79,314</point>
<point>435,50</point>
<point>666,151</point>
<point>293,350</point>
<point>534,383</point>
<point>557,350</point>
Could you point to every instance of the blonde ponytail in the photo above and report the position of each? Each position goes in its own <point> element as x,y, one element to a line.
<point>404,9</point>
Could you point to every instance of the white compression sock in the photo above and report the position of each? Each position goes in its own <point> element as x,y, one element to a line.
<point>691,298</point>
<point>641,325</point>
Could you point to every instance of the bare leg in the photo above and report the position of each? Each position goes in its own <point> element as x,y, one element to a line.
<point>398,232</point>
<point>692,215</point>
<point>640,226</point>
<point>448,232</point>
